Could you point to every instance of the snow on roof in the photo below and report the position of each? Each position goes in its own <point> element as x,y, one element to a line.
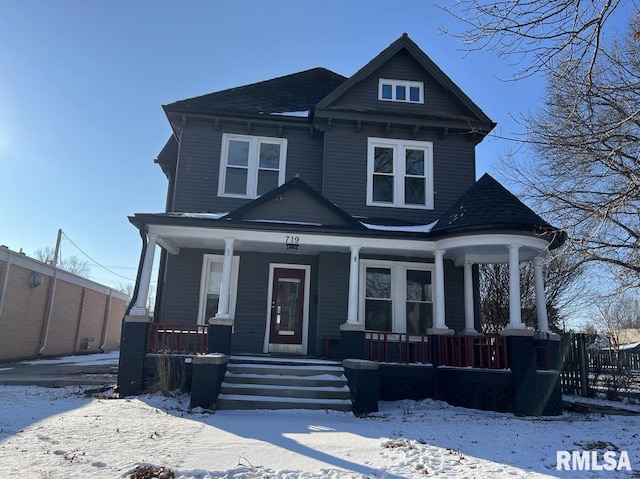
<point>299,114</point>
<point>211,216</point>
<point>286,222</point>
<point>405,228</point>
<point>628,346</point>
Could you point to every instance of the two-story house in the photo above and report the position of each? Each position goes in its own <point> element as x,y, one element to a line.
<point>318,215</point>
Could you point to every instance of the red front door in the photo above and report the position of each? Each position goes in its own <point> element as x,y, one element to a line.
<point>287,306</point>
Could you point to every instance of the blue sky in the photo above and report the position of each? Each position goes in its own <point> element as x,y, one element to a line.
<point>82,84</point>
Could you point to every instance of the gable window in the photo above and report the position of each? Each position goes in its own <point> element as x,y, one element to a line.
<point>251,166</point>
<point>400,173</point>
<point>396,297</point>
<point>401,90</point>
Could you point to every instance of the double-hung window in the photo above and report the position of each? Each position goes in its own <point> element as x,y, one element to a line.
<point>400,173</point>
<point>400,90</point>
<point>396,297</point>
<point>211,285</point>
<point>251,166</point>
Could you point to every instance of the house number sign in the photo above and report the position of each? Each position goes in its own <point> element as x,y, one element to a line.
<point>291,239</point>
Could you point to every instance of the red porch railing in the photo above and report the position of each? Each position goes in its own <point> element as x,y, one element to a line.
<point>396,347</point>
<point>488,352</point>
<point>177,339</point>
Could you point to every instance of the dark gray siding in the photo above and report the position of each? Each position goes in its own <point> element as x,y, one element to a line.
<point>345,171</point>
<point>199,163</point>
<point>454,296</point>
<point>402,66</point>
<point>333,294</point>
<point>295,205</point>
<point>181,292</point>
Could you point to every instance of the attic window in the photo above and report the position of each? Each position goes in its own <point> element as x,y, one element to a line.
<point>401,90</point>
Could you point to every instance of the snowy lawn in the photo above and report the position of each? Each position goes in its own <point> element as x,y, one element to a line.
<point>61,434</point>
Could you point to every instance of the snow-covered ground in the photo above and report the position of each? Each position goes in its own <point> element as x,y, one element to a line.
<point>61,433</point>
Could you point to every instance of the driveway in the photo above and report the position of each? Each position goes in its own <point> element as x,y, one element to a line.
<point>89,369</point>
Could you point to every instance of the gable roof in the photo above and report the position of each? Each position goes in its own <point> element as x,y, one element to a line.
<point>404,42</point>
<point>332,210</point>
<point>290,93</point>
<point>489,206</point>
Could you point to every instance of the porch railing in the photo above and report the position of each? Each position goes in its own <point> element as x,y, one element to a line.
<point>489,352</point>
<point>396,347</point>
<point>177,339</point>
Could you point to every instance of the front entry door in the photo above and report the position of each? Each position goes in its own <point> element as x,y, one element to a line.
<point>287,315</point>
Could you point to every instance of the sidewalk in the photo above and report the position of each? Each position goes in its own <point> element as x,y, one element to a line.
<point>91,369</point>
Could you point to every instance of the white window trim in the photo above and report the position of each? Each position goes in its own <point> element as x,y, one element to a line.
<point>207,259</point>
<point>252,173</point>
<point>398,289</point>
<point>399,166</point>
<point>405,83</point>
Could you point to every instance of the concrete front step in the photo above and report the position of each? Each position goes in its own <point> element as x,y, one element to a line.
<point>237,401</point>
<point>317,392</point>
<point>284,369</point>
<point>275,383</point>
<point>320,380</point>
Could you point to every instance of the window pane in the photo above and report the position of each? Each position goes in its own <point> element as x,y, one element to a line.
<point>419,317</point>
<point>287,305</point>
<point>414,93</point>
<point>215,277</point>
<point>238,154</point>
<point>269,155</point>
<point>386,92</point>
<point>414,162</point>
<point>378,283</point>
<point>236,181</point>
<point>414,191</point>
<point>418,285</point>
<point>382,160</point>
<point>401,93</point>
<point>267,181</point>
<point>377,314</point>
<point>212,306</point>
<point>383,188</point>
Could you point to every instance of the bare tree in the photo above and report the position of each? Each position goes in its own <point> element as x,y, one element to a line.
<point>534,33</point>
<point>72,264</point>
<point>586,171</point>
<point>562,274</point>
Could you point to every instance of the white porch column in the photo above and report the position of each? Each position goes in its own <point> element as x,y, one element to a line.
<point>515,309</point>
<point>354,275</point>
<point>469,316</point>
<point>541,301</point>
<point>225,286</point>
<point>140,306</point>
<point>439,324</point>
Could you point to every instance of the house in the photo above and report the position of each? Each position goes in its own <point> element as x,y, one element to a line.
<point>314,215</point>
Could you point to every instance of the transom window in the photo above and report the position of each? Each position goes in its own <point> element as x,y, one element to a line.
<point>401,90</point>
<point>396,297</point>
<point>400,173</point>
<point>250,166</point>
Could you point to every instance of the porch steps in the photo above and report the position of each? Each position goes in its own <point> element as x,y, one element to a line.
<point>283,383</point>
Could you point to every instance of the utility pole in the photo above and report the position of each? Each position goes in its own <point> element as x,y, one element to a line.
<point>54,260</point>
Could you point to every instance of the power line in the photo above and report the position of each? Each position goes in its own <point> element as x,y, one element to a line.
<point>103,267</point>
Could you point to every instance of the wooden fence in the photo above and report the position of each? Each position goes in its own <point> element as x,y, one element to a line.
<point>587,371</point>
